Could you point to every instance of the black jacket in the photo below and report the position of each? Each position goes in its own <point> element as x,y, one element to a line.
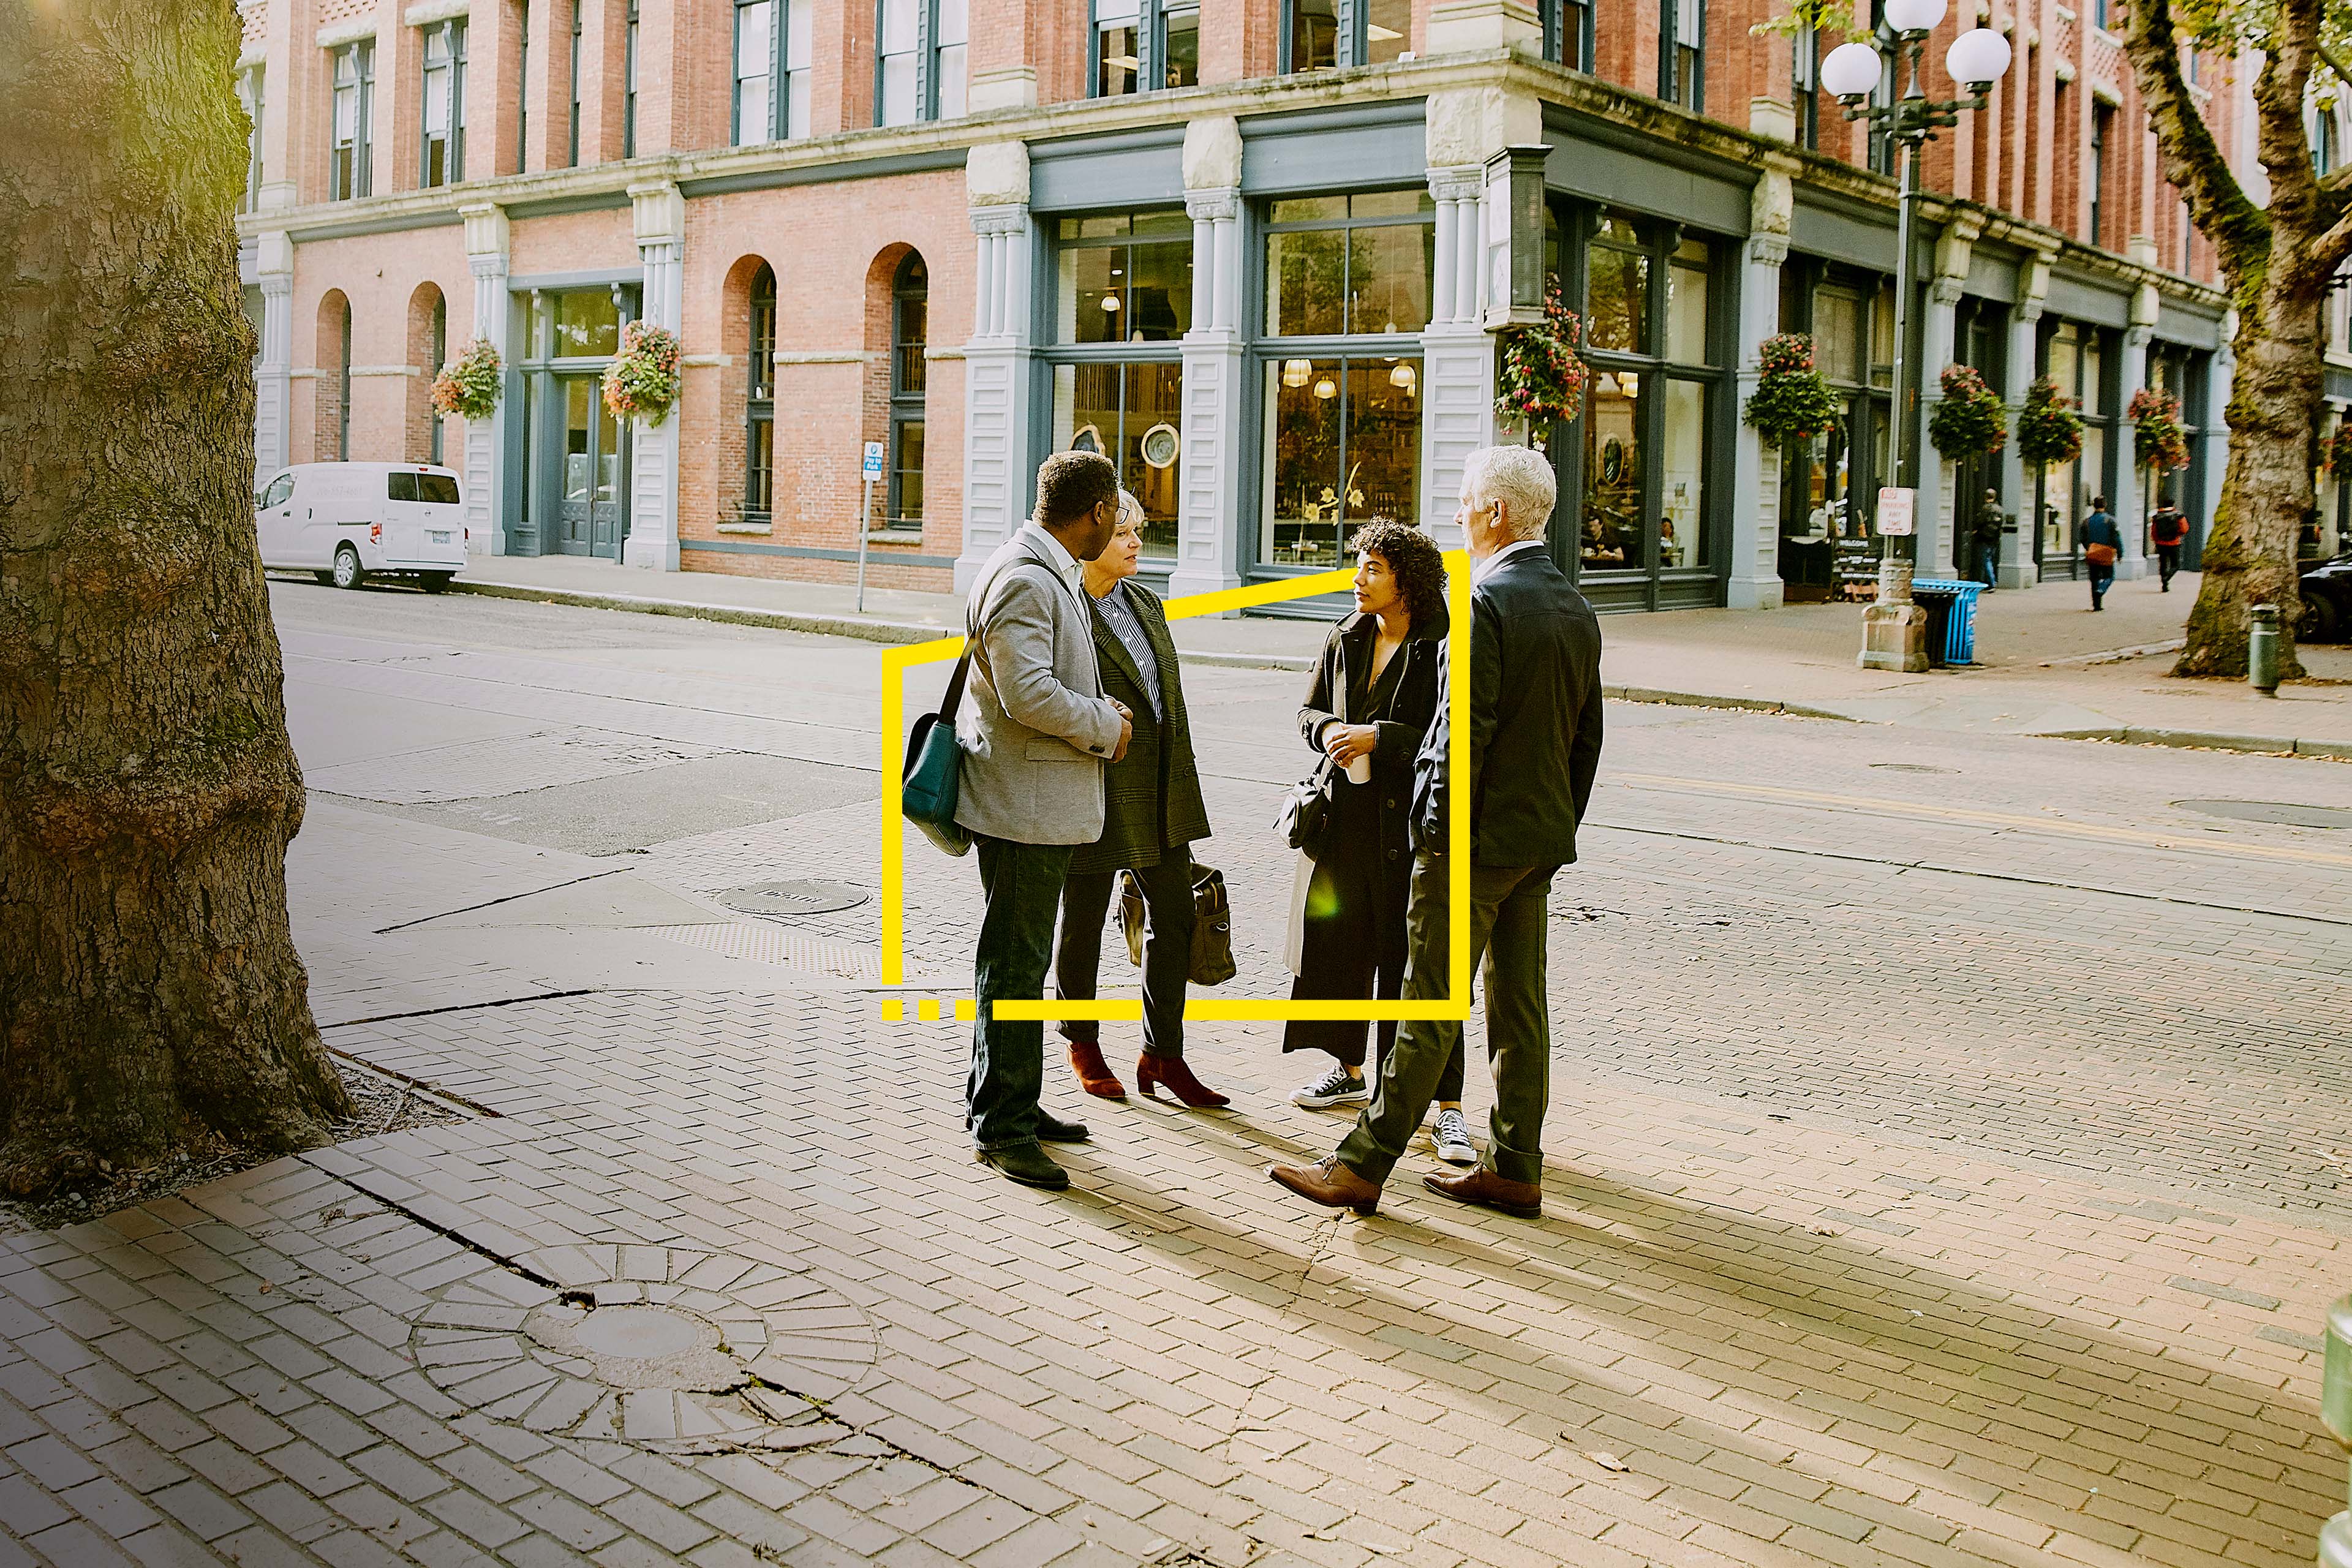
<point>1535,720</point>
<point>1399,723</point>
<point>1151,796</point>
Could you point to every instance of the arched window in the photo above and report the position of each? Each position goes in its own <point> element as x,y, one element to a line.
<point>331,433</point>
<point>910,294</point>
<point>760,403</point>
<point>434,362</point>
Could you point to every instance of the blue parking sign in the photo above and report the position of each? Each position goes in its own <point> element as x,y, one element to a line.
<point>873,459</point>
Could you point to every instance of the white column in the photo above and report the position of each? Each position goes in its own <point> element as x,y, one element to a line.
<point>1457,368</point>
<point>1754,581</point>
<point>996,442</point>
<point>1208,529</point>
<point>2132,561</point>
<point>486,257</point>
<point>273,367</point>
<point>2216,426</point>
<point>653,475</point>
<point>1932,547</point>
<point>2017,569</point>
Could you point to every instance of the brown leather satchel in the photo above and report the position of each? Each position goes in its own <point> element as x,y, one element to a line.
<point>1212,924</point>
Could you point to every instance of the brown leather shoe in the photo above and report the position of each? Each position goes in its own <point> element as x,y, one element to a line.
<point>1094,1074</point>
<point>1174,1075</point>
<point>1489,1190</point>
<point>1330,1183</point>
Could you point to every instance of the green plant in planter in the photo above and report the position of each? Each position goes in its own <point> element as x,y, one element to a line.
<point>2048,428</point>
<point>1540,378</point>
<point>642,381</point>
<point>1970,422</point>
<point>1792,400</point>
<point>469,386</point>
<point>2159,440</point>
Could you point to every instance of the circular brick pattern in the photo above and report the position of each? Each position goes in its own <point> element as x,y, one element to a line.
<point>654,1344</point>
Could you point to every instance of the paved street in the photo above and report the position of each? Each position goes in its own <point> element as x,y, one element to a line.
<point>1948,1163</point>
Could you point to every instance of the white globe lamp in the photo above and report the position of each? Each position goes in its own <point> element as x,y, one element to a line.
<point>1977,57</point>
<point>1850,71</point>
<point>1914,16</point>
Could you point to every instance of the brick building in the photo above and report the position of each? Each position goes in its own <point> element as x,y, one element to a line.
<point>1253,249</point>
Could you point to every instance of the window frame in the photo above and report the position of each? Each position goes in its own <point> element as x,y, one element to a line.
<point>1350,43</point>
<point>356,180</point>
<point>2101,123</point>
<point>788,80</point>
<point>908,396</point>
<point>1565,21</point>
<point>1151,18</point>
<point>451,31</point>
<point>1805,86</point>
<point>928,51</point>
<point>439,357</point>
<point>579,29</point>
<point>629,84</point>
<point>523,90</point>
<point>1673,48</point>
<point>760,396</point>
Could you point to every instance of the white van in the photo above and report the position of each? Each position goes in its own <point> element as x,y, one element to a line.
<point>349,521</point>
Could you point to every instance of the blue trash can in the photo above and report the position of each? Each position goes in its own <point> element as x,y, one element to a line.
<point>1960,624</point>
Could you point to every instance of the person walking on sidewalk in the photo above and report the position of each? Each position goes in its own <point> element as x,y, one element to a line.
<point>1534,746</point>
<point>1035,739</point>
<point>1991,522</point>
<point>2102,542</point>
<point>1371,701</point>
<point>1152,812</point>
<point>2167,528</point>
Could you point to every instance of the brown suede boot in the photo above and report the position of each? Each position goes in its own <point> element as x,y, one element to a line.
<point>1171,1074</point>
<point>1330,1183</point>
<point>1488,1189</point>
<point>1094,1074</point>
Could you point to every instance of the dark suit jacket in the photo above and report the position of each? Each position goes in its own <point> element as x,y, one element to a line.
<point>1535,720</point>
<point>1401,724</point>
<point>1151,796</point>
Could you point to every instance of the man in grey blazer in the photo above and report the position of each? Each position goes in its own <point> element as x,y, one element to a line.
<point>1034,739</point>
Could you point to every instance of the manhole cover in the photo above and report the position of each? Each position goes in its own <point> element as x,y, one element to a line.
<point>1911,768</point>
<point>2283,813</point>
<point>793,898</point>
<point>641,1333</point>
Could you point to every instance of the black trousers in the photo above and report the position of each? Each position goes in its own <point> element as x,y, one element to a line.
<point>1355,948</point>
<point>1021,883</point>
<point>2167,561</point>
<point>1167,948</point>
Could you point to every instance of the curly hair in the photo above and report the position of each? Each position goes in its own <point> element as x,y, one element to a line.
<point>1414,560</point>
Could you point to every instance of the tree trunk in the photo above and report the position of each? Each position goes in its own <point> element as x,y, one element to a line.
<point>2274,402</point>
<point>150,999</point>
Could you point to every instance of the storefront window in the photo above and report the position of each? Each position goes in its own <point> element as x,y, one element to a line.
<point>587,323</point>
<point>1125,278</point>
<point>1350,265</point>
<point>1132,414</point>
<point>1618,290</point>
<point>1687,289</point>
<point>1682,513</point>
<point>1342,449</point>
<point>1612,476</point>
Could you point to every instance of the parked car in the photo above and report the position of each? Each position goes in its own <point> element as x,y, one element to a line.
<point>2326,591</point>
<point>349,522</point>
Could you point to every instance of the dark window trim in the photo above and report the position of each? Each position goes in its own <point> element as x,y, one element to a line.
<point>1568,24</point>
<point>758,409</point>
<point>907,404</point>
<point>1805,80</point>
<point>926,58</point>
<point>522,94</point>
<point>361,54</point>
<point>452,30</point>
<point>629,87</point>
<point>780,69</point>
<point>1672,46</point>
<point>1152,61</point>
<point>579,25</point>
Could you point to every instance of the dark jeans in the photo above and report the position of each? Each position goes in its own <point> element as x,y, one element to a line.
<point>1988,563</point>
<point>2101,578</point>
<point>1023,883</point>
<point>1509,913</point>
<point>2167,561</point>
<point>1167,948</point>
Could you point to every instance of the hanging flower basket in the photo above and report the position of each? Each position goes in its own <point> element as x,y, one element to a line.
<point>1970,422</point>
<point>469,386</point>
<point>2338,452</point>
<point>1540,378</point>
<point>2157,439</point>
<point>642,383</point>
<point>1793,401</point>
<point>2048,428</point>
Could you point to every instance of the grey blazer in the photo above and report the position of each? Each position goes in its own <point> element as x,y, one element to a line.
<point>1038,730</point>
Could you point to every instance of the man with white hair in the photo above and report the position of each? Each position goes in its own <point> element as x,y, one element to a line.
<point>1534,746</point>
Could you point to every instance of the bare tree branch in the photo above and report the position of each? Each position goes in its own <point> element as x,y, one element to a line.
<point>2193,161</point>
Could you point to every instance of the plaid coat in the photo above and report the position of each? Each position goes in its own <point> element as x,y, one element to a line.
<point>1153,795</point>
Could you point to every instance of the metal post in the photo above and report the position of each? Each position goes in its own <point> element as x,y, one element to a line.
<point>1898,447</point>
<point>2263,650</point>
<point>865,529</point>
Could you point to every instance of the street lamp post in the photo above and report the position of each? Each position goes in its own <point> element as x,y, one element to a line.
<point>1893,629</point>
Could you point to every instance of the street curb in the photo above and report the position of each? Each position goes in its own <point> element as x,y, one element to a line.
<point>2269,745</point>
<point>1701,699</point>
<point>865,628</point>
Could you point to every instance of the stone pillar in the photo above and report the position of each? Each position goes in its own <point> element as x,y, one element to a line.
<point>997,471</point>
<point>273,368</point>
<point>1208,531</point>
<point>1457,368</point>
<point>485,445</point>
<point>2126,502</point>
<point>1932,546</point>
<point>2017,569</point>
<point>1458,25</point>
<point>1754,580</point>
<point>660,212</point>
<point>2215,425</point>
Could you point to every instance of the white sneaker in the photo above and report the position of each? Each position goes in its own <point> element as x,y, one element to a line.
<point>1334,1088</point>
<point>1451,1138</point>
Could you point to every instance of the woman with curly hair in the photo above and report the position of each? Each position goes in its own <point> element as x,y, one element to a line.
<point>1375,692</point>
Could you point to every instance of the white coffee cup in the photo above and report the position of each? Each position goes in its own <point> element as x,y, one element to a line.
<point>1360,769</point>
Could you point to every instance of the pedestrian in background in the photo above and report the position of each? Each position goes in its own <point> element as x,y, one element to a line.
<point>1534,745</point>
<point>1991,522</point>
<point>1152,812</point>
<point>2102,542</point>
<point>1371,701</point>
<point>1036,739</point>
<point>2167,528</point>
